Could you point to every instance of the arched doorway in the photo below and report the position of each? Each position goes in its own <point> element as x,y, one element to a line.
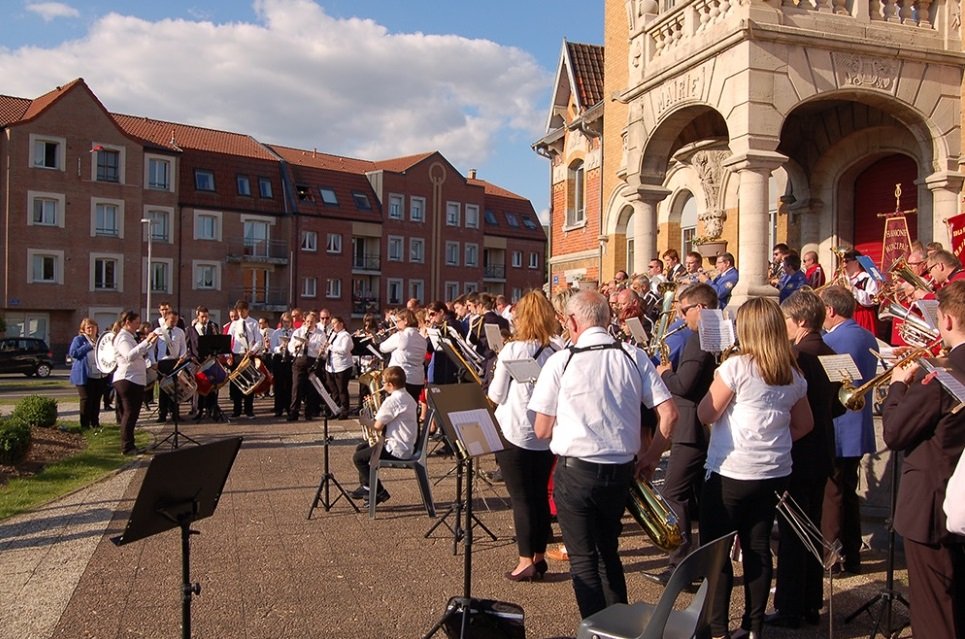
<point>874,193</point>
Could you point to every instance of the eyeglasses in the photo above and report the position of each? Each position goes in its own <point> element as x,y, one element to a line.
<point>685,309</point>
<point>325,317</point>
<point>931,266</point>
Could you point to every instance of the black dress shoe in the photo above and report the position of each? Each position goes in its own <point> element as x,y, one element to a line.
<point>292,418</point>
<point>781,620</point>
<point>661,577</point>
<point>381,496</point>
<point>360,493</point>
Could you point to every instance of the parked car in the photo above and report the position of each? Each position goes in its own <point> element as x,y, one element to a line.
<point>27,355</point>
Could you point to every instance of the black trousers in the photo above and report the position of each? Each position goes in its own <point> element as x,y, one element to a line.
<point>363,462</point>
<point>338,387</point>
<point>748,507</point>
<point>302,390</point>
<point>526,473</point>
<point>281,371</point>
<point>681,488</point>
<point>90,401</point>
<point>936,589</point>
<point>800,577</point>
<point>841,516</point>
<point>590,500</point>
<point>239,400</point>
<point>128,400</point>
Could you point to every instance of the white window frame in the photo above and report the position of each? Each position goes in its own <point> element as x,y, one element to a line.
<point>417,209</point>
<point>417,250</point>
<point>149,214</point>
<point>576,209</point>
<point>517,259</point>
<point>471,287</point>
<point>98,201</point>
<point>200,213</point>
<point>148,159</point>
<point>310,287</point>
<point>36,138</point>
<point>169,264</point>
<point>417,290</point>
<point>395,241</point>
<point>472,216</point>
<point>390,283</point>
<point>396,206</point>
<point>473,248</point>
<point>309,241</point>
<point>196,266</point>
<point>121,162</point>
<point>516,295</point>
<point>118,272</point>
<point>58,266</point>
<point>453,213</point>
<point>61,200</point>
<point>534,260</point>
<point>333,243</point>
<point>333,288</point>
<point>453,258</point>
<point>452,290</point>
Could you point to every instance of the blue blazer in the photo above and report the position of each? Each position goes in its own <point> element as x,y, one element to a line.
<point>724,285</point>
<point>854,431</point>
<point>790,283</point>
<point>78,350</point>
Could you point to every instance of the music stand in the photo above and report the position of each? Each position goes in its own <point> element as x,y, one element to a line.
<point>209,345</point>
<point>327,475</point>
<point>175,397</point>
<point>179,488</point>
<point>466,417</point>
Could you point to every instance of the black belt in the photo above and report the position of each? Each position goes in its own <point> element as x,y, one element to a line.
<point>602,471</point>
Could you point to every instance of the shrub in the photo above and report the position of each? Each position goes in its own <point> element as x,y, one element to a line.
<point>36,411</point>
<point>14,440</point>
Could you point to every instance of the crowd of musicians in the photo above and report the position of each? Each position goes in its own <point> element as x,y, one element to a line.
<point>744,428</point>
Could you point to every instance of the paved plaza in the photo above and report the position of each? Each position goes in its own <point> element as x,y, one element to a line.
<point>267,571</point>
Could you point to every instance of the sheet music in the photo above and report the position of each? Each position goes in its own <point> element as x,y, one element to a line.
<point>434,336</point>
<point>869,266</point>
<point>464,346</point>
<point>493,336</point>
<point>716,332</point>
<point>476,431</point>
<point>929,310</point>
<point>636,330</point>
<point>838,367</point>
<point>372,349</point>
<point>320,388</point>
<point>946,378</point>
<point>524,371</point>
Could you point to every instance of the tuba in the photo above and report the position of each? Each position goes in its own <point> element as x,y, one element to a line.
<point>654,515</point>
<point>370,405</point>
<point>913,329</point>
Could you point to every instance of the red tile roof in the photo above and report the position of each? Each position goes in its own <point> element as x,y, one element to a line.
<point>175,136</point>
<point>492,189</point>
<point>39,104</point>
<point>319,160</point>
<point>587,64</point>
<point>402,164</point>
<point>12,109</point>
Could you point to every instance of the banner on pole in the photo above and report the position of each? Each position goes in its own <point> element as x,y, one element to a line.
<point>956,232</point>
<point>896,242</point>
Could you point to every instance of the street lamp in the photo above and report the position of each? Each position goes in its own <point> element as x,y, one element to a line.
<point>150,243</point>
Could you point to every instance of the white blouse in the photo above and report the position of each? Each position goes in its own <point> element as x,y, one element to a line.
<point>408,348</point>
<point>515,418</point>
<point>130,357</point>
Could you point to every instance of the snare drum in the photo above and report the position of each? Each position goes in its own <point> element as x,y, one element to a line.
<point>211,376</point>
<point>180,387</point>
<point>265,385</point>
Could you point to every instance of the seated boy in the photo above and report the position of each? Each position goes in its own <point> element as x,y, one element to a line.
<point>397,422</point>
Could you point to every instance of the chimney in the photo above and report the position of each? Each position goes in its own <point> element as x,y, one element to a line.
<point>472,174</point>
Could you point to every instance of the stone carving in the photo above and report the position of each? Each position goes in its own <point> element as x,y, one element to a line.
<point>709,167</point>
<point>865,71</point>
<point>956,17</point>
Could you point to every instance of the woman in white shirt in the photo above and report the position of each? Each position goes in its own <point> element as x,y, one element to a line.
<point>526,461</point>
<point>338,364</point>
<point>130,376</point>
<point>756,407</point>
<point>408,351</point>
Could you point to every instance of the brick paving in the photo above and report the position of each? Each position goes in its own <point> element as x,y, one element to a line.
<point>266,571</point>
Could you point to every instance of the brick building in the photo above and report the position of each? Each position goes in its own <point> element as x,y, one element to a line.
<point>232,218</point>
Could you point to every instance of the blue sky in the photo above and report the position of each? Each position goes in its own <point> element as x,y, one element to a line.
<point>369,78</point>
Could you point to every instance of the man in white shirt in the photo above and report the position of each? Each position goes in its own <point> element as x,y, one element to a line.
<point>170,350</point>
<point>281,364</point>
<point>587,401</point>
<point>245,340</point>
<point>305,347</point>
<point>338,364</point>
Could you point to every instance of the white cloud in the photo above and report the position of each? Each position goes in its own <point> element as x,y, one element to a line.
<point>51,10</point>
<point>302,78</point>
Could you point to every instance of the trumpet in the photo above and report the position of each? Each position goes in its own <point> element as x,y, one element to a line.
<point>852,397</point>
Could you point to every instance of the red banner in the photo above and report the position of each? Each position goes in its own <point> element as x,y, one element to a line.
<point>956,231</point>
<point>896,242</point>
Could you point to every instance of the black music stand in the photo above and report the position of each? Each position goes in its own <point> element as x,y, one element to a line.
<point>176,435</point>
<point>463,411</point>
<point>327,475</point>
<point>887,596</point>
<point>209,345</point>
<point>179,488</point>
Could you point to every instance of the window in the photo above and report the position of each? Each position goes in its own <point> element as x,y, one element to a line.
<point>517,293</point>
<point>328,196</point>
<point>160,273</point>
<point>396,206</point>
<point>452,290</point>
<point>452,253</point>
<point>304,193</point>
<point>534,260</point>
<point>491,218</point>
<point>361,201</point>
<point>47,152</point>
<point>108,165</point>
<point>575,213</point>
<point>207,226</point>
<point>333,287</point>
<point>417,250</point>
<point>310,287</point>
<point>394,290</point>
<point>472,254</point>
<point>207,275</point>
<point>417,289</point>
<point>264,188</point>
<point>160,225</point>
<point>45,266</point>
<point>334,243</point>
<point>472,216</point>
<point>417,209</point>
<point>257,234</point>
<point>159,174</point>
<point>203,180</point>
<point>471,287</point>
<point>452,213</point>
<point>512,220</point>
<point>244,185</point>
<point>106,219</point>
<point>105,274</point>
<point>395,248</point>
<point>45,211</point>
<point>309,241</point>
<point>517,259</point>
<point>529,223</point>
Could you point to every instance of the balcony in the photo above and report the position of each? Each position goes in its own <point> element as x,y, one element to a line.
<point>275,300</point>
<point>366,262</point>
<point>495,272</point>
<point>362,305</point>
<point>258,251</point>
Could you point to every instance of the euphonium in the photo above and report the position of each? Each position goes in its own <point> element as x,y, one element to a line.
<point>654,515</point>
<point>853,397</point>
<point>657,345</point>
<point>913,329</point>
<point>370,405</point>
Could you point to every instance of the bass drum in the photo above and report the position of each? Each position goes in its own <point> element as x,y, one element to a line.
<point>105,357</point>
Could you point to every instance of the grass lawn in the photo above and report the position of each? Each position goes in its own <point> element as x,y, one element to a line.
<point>101,457</point>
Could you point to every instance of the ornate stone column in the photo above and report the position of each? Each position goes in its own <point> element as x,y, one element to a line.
<point>945,187</point>
<point>754,169</point>
<point>644,203</point>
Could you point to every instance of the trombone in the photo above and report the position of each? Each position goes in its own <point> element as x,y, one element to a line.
<point>853,397</point>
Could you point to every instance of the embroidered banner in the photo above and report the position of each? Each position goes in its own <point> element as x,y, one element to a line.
<point>896,242</point>
<point>956,231</point>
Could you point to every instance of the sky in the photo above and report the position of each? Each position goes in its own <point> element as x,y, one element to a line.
<point>365,78</point>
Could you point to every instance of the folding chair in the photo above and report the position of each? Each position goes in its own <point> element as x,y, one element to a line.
<point>417,462</point>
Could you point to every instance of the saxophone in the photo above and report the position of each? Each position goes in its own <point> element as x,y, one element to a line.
<point>370,405</point>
